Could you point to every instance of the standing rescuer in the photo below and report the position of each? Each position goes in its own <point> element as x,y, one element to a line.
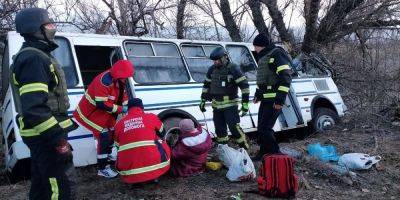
<point>221,87</point>
<point>105,98</point>
<point>41,99</point>
<point>273,83</point>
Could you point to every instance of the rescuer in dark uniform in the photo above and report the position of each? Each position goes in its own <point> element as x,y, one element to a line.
<point>221,87</point>
<point>41,99</point>
<point>273,84</point>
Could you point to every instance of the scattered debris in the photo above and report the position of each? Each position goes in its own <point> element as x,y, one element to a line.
<point>318,180</point>
<point>397,123</point>
<point>330,171</point>
<point>291,152</point>
<point>325,153</point>
<point>305,182</point>
<point>364,190</point>
<point>358,161</point>
<point>236,197</point>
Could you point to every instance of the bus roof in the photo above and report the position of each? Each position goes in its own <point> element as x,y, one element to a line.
<point>123,38</point>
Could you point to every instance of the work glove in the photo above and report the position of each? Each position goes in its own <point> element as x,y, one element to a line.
<point>206,96</point>
<point>257,96</point>
<point>64,151</point>
<point>244,109</point>
<point>124,109</point>
<point>202,105</point>
<point>63,147</point>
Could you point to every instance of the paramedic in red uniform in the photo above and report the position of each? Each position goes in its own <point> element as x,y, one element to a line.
<point>105,98</point>
<point>142,155</point>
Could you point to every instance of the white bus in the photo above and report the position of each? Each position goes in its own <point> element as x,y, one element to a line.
<point>169,75</point>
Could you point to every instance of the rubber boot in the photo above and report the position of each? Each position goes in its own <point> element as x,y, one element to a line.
<point>259,154</point>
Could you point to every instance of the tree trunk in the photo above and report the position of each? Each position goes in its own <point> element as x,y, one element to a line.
<point>230,23</point>
<point>311,8</point>
<point>123,27</point>
<point>258,18</point>
<point>334,19</point>
<point>277,20</point>
<point>180,16</point>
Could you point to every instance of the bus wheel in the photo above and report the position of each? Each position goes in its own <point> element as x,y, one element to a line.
<point>171,125</point>
<point>324,119</point>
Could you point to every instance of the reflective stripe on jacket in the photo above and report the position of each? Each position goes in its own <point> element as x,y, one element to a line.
<point>100,105</point>
<point>40,94</point>
<point>142,155</point>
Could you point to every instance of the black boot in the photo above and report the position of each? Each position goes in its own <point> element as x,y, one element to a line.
<point>259,154</point>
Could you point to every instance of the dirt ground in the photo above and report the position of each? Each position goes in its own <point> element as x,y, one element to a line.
<point>381,182</point>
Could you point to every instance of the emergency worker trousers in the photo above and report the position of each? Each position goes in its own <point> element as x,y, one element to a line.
<point>227,116</point>
<point>267,116</point>
<point>104,147</point>
<point>48,172</point>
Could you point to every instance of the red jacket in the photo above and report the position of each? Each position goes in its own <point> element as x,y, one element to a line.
<point>142,155</point>
<point>104,98</point>
<point>190,153</point>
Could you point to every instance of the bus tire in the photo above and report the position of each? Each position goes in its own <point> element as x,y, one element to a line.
<point>323,119</point>
<point>171,125</point>
<point>171,119</point>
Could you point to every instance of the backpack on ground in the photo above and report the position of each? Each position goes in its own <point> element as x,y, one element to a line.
<point>276,176</point>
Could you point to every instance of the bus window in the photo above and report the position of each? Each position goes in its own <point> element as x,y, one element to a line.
<point>140,49</point>
<point>168,50</point>
<point>241,56</point>
<point>197,58</point>
<point>64,57</point>
<point>5,72</point>
<point>156,62</point>
<point>208,49</point>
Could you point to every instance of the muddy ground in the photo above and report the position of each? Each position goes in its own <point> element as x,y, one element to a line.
<point>381,182</point>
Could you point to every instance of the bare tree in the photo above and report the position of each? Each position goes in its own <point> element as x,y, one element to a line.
<point>277,20</point>
<point>341,18</point>
<point>229,20</point>
<point>208,8</point>
<point>133,17</point>
<point>258,18</point>
<point>180,16</point>
<point>8,9</point>
<point>311,8</point>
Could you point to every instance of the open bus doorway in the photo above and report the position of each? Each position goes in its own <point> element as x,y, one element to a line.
<point>94,60</point>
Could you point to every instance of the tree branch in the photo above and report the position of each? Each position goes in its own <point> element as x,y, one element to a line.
<point>258,18</point>
<point>277,20</point>
<point>230,23</point>
<point>180,16</point>
<point>311,8</point>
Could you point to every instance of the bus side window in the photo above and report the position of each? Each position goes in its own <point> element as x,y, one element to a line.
<point>241,56</point>
<point>156,62</point>
<point>197,59</point>
<point>64,56</point>
<point>5,72</point>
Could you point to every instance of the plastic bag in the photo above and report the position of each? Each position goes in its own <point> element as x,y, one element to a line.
<point>324,153</point>
<point>358,161</point>
<point>226,154</point>
<point>242,168</point>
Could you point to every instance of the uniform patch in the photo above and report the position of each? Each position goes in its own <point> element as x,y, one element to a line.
<point>134,123</point>
<point>106,79</point>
